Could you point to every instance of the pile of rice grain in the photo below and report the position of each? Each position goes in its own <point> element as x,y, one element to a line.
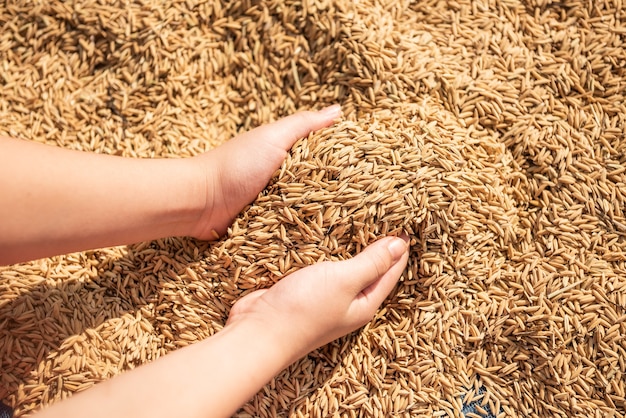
<point>493,132</point>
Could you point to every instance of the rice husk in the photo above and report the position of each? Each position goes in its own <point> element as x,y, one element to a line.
<point>491,132</point>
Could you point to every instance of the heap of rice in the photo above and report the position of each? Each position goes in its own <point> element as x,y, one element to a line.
<point>491,131</point>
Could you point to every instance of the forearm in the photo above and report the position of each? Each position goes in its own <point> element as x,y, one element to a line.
<point>54,201</point>
<point>208,379</point>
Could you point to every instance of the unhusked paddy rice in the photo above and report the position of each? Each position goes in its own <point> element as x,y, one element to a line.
<point>492,132</point>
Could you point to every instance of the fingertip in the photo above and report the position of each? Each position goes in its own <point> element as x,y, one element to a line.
<point>286,131</point>
<point>377,259</point>
<point>406,238</point>
<point>397,247</point>
<point>331,112</point>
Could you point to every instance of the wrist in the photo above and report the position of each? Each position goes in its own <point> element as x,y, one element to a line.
<point>188,204</point>
<point>275,341</point>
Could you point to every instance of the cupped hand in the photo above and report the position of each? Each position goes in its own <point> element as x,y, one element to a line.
<point>238,170</point>
<point>325,301</point>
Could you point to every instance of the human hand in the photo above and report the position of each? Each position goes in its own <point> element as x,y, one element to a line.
<point>323,302</point>
<point>238,170</point>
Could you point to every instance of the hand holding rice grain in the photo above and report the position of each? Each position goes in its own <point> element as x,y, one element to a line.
<point>239,169</point>
<point>493,133</point>
<point>98,200</point>
<point>327,300</point>
<point>61,201</point>
<point>266,332</point>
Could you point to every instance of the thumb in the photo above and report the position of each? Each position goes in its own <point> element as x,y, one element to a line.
<point>375,271</point>
<point>285,132</point>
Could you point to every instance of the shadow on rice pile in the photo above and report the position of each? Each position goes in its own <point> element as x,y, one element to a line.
<point>491,131</point>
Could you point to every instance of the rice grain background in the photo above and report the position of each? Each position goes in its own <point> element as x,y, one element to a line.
<point>492,131</point>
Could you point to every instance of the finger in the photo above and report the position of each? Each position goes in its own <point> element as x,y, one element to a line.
<point>374,294</point>
<point>375,261</point>
<point>286,131</point>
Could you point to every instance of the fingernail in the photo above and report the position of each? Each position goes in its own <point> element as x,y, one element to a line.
<point>333,111</point>
<point>397,247</point>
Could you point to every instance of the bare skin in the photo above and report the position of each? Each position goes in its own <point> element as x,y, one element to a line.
<point>56,201</point>
<point>267,330</point>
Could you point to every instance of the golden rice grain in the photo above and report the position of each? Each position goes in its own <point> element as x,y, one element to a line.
<point>492,134</point>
